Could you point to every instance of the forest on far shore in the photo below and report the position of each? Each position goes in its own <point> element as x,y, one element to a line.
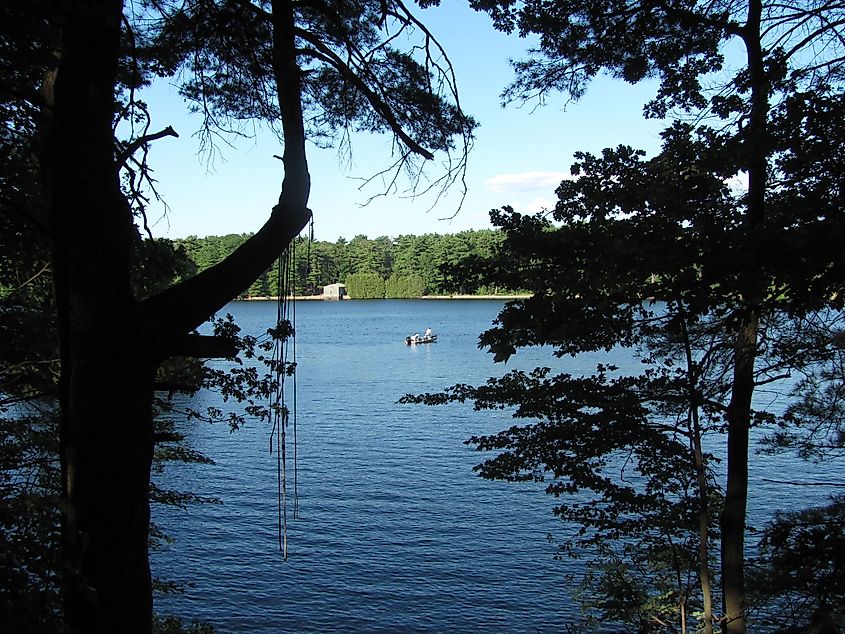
<point>402,267</point>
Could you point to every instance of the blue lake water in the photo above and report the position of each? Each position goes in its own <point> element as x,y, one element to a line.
<point>396,532</point>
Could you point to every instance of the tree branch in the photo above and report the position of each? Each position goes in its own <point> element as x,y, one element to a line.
<point>130,149</point>
<point>184,307</point>
<point>202,347</point>
<point>324,53</point>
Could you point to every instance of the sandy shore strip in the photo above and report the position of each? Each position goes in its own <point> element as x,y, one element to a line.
<point>306,298</point>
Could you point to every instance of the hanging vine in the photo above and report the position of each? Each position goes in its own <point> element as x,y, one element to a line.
<point>283,404</point>
<point>282,367</point>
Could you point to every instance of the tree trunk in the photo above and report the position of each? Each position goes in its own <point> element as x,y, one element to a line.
<point>736,495</point>
<point>745,348</point>
<point>106,377</point>
<point>703,488</point>
<point>107,441</point>
<point>110,345</point>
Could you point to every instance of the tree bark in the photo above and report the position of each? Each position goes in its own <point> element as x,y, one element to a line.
<point>745,348</point>
<point>106,376</point>
<point>110,345</point>
<point>736,496</point>
<point>701,474</point>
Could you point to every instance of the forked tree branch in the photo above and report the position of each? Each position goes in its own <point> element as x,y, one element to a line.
<point>182,308</point>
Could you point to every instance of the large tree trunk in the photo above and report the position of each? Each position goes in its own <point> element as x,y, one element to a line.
<point>107,443</point>
<point>111,345</point>
<point>106,380</point>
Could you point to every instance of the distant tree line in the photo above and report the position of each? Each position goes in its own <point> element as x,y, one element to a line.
<point>407,266</point>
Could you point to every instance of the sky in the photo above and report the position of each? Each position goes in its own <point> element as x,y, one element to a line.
<point>519,157</point>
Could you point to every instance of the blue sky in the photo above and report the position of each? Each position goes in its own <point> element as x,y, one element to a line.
<point>519,157</point>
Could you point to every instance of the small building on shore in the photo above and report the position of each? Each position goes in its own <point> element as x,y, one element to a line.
<point>334,291</point>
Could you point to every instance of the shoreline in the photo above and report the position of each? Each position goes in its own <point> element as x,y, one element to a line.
<point>298,298</point>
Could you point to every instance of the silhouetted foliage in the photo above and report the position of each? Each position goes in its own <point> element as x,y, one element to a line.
<point>800,575</point>
<point>715,297</point>
<point>76,177</point>
<point>740,264</point>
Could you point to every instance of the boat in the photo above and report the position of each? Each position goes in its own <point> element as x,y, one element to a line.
<point>426,339</point>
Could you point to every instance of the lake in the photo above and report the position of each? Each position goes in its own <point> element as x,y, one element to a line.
<point>396,532</point>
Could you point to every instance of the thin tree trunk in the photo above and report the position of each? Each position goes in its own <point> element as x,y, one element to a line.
<point>736,496</point>
<point>701,473</point>
<point>187,305</point>
<point>297,182</point>
<point>745,348</point>
<point>703,533</point>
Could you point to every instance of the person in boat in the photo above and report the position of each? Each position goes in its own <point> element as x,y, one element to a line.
<point>415,337</point>
<point>427,333</point>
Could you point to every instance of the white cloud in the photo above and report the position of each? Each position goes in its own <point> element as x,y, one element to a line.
<point>534,205</point>
<point>525,181</point>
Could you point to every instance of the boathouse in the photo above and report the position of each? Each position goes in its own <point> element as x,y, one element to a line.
<point>334,291</point>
